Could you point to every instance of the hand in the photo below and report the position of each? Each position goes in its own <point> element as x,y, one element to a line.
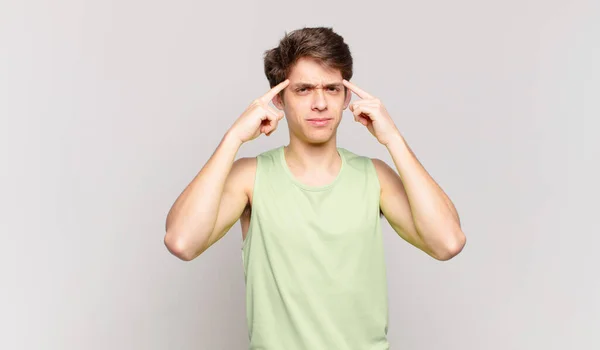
<point>371,113</point>
<point>258,117</point>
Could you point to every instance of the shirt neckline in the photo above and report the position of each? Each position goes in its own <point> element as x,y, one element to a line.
<point>311,187</point>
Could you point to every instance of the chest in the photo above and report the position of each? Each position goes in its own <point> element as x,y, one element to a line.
<point>339,216</point>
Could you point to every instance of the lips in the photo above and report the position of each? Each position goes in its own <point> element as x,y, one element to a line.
<point>319,121</point>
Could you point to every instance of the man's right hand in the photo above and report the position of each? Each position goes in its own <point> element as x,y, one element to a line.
<point>258,117</point>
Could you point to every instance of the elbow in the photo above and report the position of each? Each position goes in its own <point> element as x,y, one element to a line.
<point>452,248</point>
<point>179,247</point>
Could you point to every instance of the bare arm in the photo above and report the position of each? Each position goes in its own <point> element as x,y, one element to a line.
<point>416,207</point>
<point>396,207</point>
<point>213,201</point>
<point>412,202</point>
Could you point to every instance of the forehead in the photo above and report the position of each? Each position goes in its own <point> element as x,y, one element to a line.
<point>309,71</point>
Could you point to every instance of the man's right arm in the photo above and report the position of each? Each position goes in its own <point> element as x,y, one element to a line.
<point>211,204</point>
<point>218,195</point>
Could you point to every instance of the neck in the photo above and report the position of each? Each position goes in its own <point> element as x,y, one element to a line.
<point>313,157</point>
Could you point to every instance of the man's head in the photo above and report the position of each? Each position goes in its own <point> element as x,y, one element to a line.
<point>315,60</point>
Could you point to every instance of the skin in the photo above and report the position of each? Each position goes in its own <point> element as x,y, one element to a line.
<point>313,92</point>
<point>221,193</point>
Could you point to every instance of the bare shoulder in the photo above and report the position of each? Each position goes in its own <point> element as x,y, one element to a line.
<point>389,180</point>
<point>242,174</point>
<point>243,166</point>
<point>385,172</point>
<point>380,165</point>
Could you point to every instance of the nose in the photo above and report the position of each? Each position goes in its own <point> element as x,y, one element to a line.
<point>319,100</point>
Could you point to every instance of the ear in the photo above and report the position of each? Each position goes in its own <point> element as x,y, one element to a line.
<point>277,101</point>
<point>348,98</point>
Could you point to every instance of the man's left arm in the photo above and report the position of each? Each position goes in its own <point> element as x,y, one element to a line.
<point>413,203</point>
<point>416,206</point>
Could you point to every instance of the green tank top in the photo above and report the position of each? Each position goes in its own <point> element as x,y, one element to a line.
<point>314,261</point>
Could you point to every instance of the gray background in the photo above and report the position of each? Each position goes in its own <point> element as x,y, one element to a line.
<point>109,108</point>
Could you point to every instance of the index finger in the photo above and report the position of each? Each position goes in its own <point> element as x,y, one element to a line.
<point>275,90</point>
<point>361,93</point>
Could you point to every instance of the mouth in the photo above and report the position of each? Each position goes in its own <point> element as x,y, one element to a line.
<point>319,121</point>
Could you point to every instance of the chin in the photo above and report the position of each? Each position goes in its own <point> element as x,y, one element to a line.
<point>315,136</point>
<point>318,139</point>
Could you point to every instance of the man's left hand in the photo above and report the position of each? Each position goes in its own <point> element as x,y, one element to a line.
<point>370,112</point>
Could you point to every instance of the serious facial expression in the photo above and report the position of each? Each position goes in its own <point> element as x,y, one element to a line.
<point>313,101</point>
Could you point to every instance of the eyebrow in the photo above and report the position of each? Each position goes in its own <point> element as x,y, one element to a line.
<point>311,86</point>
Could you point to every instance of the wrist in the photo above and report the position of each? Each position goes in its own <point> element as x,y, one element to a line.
<point>395,140</point>
<point>230,140</point>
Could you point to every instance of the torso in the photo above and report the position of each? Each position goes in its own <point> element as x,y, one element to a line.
<point>313,256</point>
<point>311,180</point>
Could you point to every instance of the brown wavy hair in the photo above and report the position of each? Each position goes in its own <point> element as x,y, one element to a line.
<point>319,43</point>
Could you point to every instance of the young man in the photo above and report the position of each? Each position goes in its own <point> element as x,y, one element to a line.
<point>310,211</point>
